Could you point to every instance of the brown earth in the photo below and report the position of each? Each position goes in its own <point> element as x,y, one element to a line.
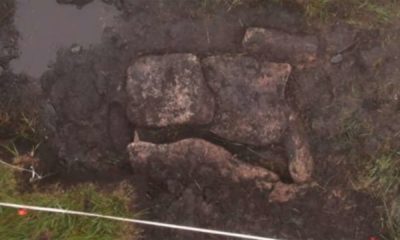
<point>348,107</point>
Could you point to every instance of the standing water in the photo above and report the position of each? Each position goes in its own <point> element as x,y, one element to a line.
<point>45,26</point>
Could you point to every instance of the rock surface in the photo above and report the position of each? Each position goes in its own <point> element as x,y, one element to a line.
<point>281,46</point>
<point>191,160</point>
<point>283,192</point>
<point>301,162</point>
<point>168,90</point>
<point>249,97</point>
<point>198,183</point>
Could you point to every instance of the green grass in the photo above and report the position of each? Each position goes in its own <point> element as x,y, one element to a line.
<point>392,220</point>
<point>381,178</point>
<point>383,175</point>
<point>84,197</point>
<point>365,13</point>
<point>20,126</point>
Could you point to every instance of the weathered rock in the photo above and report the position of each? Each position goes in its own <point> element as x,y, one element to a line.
<point>283,192</point>
<point>281,46</point>
<point>201,183</point>
<point>168,90</point>
<point>301,163</point>
<point>192,160</point>
<point>249,96</point>
<point>198,167</point>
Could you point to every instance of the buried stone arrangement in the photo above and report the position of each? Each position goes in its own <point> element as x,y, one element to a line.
<point>236,97</point>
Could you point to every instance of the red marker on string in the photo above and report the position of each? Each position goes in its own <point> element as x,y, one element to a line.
<point>22,212</point>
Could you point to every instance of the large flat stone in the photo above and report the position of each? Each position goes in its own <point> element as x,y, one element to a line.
<point>194,161</point>
<point>168,90</point>
<point>281,46</point>
<point>249,97</point>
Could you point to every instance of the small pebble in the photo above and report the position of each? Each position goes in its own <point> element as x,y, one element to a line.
<point>76,49</point>
<point>337,58</point>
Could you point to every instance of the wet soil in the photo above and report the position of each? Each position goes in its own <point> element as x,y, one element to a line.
<point>46,26</point>
<point>69,63</point>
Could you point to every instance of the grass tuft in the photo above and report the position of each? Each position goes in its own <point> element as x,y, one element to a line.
<point>366,13</point>
<point>381,178</point>
<point>19,126</point>
<point>383,175</point>
<point>83,197</point>
<point>392,220</point>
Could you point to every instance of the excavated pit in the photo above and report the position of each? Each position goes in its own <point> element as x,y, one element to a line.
<point>85,117</point>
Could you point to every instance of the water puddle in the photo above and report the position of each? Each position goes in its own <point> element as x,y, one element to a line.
<point>45,26</point>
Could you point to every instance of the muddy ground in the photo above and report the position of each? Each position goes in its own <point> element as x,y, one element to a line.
<point>348,104</point>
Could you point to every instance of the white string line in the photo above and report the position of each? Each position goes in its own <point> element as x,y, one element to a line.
<point>34,176</point>
<point>142,222</point>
